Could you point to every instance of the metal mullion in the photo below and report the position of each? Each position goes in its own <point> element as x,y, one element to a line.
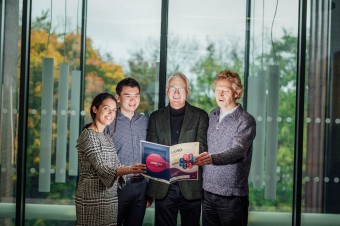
<point>246,53</point>
<point>23,113</point>
<point>2,37</point>
<point>83,57</point>
<point>299,115</point>
<point>163,53</point>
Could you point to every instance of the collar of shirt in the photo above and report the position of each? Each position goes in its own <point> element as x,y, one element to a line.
<point>227,113</point>
<point>120,115</point>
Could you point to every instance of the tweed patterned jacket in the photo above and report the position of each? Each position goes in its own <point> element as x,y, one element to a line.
<point>96,195</point>
<point>230,145</point>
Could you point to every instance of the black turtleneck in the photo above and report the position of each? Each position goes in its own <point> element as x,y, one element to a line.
<point>176,121</point>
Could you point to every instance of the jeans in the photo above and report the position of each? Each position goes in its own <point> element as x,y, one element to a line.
<point>224,210</point>
<point>166,209</point>
<point>132,203</point>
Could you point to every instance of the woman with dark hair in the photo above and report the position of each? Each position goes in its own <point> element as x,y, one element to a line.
<point>100,172</point>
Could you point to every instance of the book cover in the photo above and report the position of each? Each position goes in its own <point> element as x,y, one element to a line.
<point>170,163</point>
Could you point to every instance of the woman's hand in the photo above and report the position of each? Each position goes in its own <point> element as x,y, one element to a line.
<point>133,169</point>
<point>137,168</point>
<point>203,159</point>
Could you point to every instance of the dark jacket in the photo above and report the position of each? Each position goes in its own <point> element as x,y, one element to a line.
<point>194,129</point>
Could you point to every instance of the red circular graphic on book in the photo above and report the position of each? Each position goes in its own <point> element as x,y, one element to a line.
<point>156,163</point>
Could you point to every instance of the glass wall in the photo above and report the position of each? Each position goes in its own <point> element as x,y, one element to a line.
<point>10,38</point>
<point>321,172</point>
<point>123,41</point>
<point>116,44</point>
<point>257,39</point>
<point>204,41</point>
<point>272,101</point>
<point>53,112</point>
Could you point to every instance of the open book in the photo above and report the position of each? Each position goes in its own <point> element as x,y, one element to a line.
<point>170,163</point>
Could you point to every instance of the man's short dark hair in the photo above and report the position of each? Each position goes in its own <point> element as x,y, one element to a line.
<point>126,82</point>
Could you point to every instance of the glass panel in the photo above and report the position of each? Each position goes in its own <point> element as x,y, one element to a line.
<point>10,37</point>
<point>204,41</point>
<point>321,176</point>
<point>212,38</point>
<point>125,42</point>
<point>271,100</point>
<point>54,55</point>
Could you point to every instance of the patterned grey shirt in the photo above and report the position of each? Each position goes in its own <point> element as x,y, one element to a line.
<point>127,137</point>
<point>230,145</point>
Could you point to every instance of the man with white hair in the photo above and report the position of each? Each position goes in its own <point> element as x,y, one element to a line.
<point>179,122</point>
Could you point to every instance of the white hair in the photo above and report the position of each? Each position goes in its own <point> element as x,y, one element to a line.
<point>179,75</point>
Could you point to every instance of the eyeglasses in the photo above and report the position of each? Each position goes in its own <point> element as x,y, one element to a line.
<point>180,90</point>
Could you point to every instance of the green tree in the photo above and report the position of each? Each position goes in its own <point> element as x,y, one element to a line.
<point>100,75</point>
<point>217,58</point>
<point>285,57</point>
<point>144,70</point>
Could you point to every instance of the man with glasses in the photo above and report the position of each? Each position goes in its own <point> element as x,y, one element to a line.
<point>128,131</point>
<point>179,122</point>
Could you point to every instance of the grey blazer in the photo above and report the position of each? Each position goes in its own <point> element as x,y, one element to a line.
<point>194,129</point>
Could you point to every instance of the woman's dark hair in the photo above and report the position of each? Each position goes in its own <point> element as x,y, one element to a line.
<point>96,102</point>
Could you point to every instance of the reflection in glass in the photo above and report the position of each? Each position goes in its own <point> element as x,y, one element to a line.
<point>257,107</point>
<point>272,131</point>
<point>46,124</point>
<point>273,41</point>
<point>60,172</point>
<point>74,122</point>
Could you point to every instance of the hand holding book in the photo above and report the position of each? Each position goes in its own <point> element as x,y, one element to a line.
<point>203,159</point>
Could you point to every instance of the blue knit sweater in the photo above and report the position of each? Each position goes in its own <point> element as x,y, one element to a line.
<point>230,145</point>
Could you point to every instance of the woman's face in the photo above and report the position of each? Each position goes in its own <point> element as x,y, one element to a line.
<point>225,94</point>
<point>106,112</point>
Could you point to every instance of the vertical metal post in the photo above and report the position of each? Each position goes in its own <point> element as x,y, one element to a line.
<point>299,115</point>
<point>83,57</point>
<point>247,53</point>
<point>2,37</point>
<point>23,106</point>
<point>163,53</point>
